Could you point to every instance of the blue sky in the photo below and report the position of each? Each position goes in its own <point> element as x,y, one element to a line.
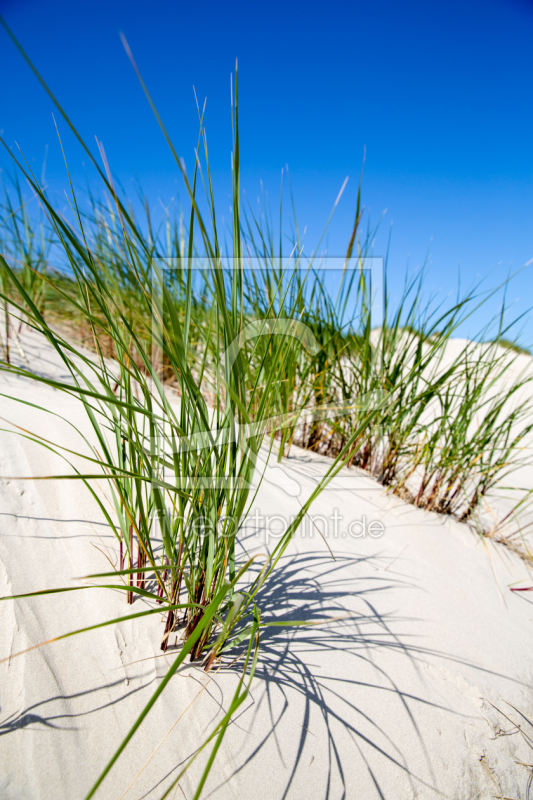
<point>439,94</point>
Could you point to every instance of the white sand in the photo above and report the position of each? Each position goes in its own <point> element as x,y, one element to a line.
<point>393,701</point>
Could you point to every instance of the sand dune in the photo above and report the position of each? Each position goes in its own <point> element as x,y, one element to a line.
<point>395,699</point>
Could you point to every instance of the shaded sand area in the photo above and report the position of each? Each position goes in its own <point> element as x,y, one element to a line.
<point>393,699</point>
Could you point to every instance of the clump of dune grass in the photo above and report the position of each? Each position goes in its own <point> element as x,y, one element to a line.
<point>180,473</point>
<point>476,439</point>
<point>451,429</point>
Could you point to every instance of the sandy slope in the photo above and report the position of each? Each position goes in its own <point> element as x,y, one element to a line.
<point>391,701</point>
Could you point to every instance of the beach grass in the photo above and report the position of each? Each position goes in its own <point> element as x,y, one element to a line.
<point>194,367</point>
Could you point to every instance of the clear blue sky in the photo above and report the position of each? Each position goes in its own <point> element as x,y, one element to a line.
<point>440,94</point>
